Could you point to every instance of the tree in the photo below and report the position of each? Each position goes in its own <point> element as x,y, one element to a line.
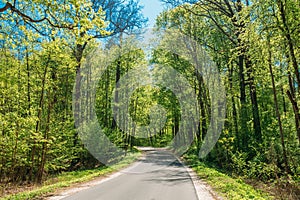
<point>249,43</point>
<point>52,40</point>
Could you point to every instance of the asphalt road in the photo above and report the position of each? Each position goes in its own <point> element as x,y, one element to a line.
<point>156,176</point>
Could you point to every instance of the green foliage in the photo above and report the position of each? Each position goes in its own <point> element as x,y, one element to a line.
<point>224,185</point>
<point>254,45</point>
<point>67,179</point>
<point>43,44</point>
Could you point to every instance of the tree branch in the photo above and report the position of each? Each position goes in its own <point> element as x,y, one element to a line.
<point>30,19</point>
<point>6,7</point>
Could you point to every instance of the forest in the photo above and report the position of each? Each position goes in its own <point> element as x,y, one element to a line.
<point>46,50</point>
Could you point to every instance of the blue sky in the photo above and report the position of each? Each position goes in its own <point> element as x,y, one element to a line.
<point>152,8</point>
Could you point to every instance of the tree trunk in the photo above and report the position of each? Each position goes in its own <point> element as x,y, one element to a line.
<point>296,112</point>
<point>40,173</point>
<point>28,83</point>
<point>288,39</point>
<point>253,95</point>
<point>116,100</point>
<point>39,115</point>
<point>234,111</point>
<point>243,112</point>
<point>292,97</point>
<point>277,110</point>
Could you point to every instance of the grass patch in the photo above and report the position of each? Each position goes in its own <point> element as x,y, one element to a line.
<point>67,179</point>
<point>224,185</point>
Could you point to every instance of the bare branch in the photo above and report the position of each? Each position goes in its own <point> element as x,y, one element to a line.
<point>6,7</point>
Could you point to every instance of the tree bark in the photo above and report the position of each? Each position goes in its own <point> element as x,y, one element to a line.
<point>288,38</point>
<point>39,115</point>
<point>253,96</point>
<point>285,158</point>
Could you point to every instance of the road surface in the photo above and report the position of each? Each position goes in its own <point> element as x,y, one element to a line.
<point>156,176</point>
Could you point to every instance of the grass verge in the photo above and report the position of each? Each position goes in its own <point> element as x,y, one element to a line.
<point>67,179</point>
<point>224,185</point>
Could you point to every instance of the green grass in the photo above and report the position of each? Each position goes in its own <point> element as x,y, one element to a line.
<point>67,179</point>
<point>224,185</point>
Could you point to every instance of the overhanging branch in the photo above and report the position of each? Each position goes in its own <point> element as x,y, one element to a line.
<point>30,19</point>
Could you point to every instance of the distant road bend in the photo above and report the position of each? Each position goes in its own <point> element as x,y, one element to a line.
<point>153,177</point>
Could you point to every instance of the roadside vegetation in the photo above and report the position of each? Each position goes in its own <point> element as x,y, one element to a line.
<point>224,185</point>
<point>66,180</point>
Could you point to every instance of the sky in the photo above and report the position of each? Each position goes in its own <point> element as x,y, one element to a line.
<point>152,8</point>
